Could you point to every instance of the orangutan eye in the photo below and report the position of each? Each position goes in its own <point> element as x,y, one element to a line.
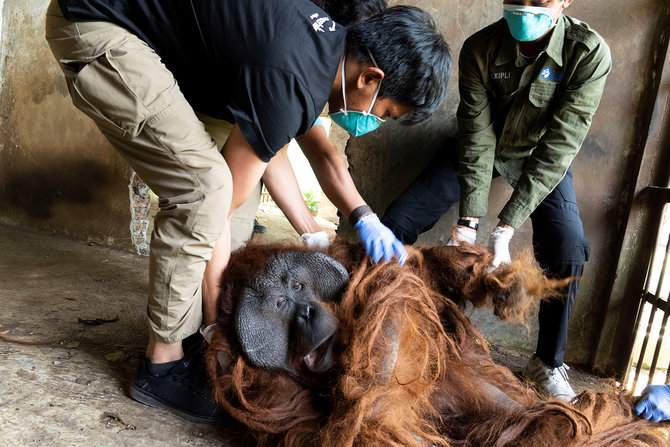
<point>297,286</point>
<point>281,302</point>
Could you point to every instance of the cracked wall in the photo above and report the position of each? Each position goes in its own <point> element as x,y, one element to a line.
<point>140,207</point>
<point>57,172</point>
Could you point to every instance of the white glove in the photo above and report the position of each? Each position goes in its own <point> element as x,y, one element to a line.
<point>463,234</point>
<point>315,240</point>
<point>499,245</point>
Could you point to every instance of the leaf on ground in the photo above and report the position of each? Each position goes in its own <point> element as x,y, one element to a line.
<point>69,344</point>
<point>97,321</point>
<point>116,356</point>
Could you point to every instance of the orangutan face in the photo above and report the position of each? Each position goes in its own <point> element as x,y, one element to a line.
<point>282,319</point>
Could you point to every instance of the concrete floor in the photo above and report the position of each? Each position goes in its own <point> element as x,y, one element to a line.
<point>63,391</point>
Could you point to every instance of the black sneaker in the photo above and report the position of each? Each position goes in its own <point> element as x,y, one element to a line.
<point>258,228</point>
<point>183,392</point>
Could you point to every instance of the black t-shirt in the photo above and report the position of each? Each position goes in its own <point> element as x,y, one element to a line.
<point>267,65</point>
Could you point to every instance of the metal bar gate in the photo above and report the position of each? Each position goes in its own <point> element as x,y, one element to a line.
<point>650,359</point>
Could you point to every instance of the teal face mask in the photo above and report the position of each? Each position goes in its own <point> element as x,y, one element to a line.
<point>355,122</point>
<point>528,23</point>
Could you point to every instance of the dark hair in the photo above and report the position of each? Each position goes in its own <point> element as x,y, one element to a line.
<point>346,12</point>
<point>413,55</point>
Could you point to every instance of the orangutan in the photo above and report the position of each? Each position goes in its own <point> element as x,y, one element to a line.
<point>315,349</point>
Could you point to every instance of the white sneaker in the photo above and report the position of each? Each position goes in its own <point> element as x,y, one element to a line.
<point>550,380</point>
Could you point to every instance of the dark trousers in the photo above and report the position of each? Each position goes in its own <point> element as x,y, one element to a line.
<point>558,238</point>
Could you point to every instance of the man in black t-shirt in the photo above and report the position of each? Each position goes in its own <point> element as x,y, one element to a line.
<point>279,175</point>
<point>142,68</point>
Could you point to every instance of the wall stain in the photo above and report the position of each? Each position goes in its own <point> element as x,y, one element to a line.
<point>38,191</point>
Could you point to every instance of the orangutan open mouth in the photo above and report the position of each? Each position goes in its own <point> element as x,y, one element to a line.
<point>320,358</point>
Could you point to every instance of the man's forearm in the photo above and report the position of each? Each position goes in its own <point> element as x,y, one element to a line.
<point>331,171</point>
<point>211,282</point>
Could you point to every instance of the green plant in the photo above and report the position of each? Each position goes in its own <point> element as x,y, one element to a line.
<point>311,202</point>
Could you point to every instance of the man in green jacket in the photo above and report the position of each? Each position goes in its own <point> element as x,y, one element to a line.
<point>529,86</point>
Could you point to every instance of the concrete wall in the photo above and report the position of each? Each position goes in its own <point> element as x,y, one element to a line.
<point>57,173</point>
<point>604,171</point>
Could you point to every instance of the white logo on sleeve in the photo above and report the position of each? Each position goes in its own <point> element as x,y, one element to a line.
<point>552,75</point>
<point>318,22</point>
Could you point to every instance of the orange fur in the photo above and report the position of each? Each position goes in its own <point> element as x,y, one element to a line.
<point>413,370</point>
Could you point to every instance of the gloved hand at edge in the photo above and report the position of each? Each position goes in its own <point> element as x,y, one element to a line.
<point>380,242</point>
<point>499,245</point>
<point>655,403</point>
<point>315,240</point>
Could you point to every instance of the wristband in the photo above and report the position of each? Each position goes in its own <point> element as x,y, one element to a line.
<point>358,213</point>
<point>467,223</point>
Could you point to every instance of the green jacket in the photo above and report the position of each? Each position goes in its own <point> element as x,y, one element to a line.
<point>527,119</point>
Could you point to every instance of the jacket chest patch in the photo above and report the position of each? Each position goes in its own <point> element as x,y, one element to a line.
<point>552,75</point>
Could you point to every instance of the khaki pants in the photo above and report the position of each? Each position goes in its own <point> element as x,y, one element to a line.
<point>242,220</point>
<point>120,82</point>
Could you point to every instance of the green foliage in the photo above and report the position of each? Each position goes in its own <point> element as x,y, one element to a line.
<point>311,202</point>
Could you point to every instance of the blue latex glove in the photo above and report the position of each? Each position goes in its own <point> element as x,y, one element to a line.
<point>379,241</point>
<point>655,403</point>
